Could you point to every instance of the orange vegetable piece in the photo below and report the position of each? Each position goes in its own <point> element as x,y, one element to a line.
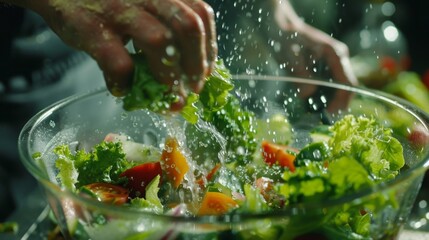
<point>174,163</point>
<point>216,203</point>
<point>279,154</point>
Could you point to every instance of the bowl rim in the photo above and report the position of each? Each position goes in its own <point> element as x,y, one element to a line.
<point>415,171</point>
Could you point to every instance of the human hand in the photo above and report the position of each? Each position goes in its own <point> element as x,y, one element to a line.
<point>304,47</point>
<point>308,52</point>
<point>176,36</point>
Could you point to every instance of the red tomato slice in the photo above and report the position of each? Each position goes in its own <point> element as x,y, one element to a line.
<point>106,192</point>
<point>279,154</point>
<point>140,176</point>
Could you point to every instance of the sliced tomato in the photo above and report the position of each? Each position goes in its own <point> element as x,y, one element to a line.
<point>106,192</point>
<point>140,176</point>
<point>279,154</point>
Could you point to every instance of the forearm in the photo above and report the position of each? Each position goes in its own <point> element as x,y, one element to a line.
<point>286,17</point>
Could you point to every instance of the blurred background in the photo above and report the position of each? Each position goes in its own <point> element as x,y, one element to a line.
<point>387,40</point>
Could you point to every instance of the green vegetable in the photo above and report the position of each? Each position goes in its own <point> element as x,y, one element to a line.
<point>152,202</point>
<point>216,92</point>
<point>215,104</point>
<point>370,144</point>
<point>254,200</point>
<point>103,164</point>
<point>146,92</point>
<point>190,110</point>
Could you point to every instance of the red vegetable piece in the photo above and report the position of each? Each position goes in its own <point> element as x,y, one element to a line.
<point>140,176</point>
<point>107,193</point>
<point>279,154</point>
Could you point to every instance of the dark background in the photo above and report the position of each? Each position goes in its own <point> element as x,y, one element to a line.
<point>411,18</point>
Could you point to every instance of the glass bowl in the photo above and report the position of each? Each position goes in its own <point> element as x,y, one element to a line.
<point>84,120</point>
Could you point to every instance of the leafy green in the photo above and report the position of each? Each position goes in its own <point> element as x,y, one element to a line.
<point>215,104</point>
<point>66,164</point>
<point>190,110</point>
<point>236,125</point>
<point>216,92</point>
<point>146,92</point>
<point>254,201</point>
<point>104,163</point>
<point>152,202</point>
<point>342,181</point>
<point>361,154</point>
<point>370,144</point>
<point>224,111</point>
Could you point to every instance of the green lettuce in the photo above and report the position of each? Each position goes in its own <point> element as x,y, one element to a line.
<point>104,163</point>
<point>146,92</point>
<point>152,202</point>
<point>371,144</point>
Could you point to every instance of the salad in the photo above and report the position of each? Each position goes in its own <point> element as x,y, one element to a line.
<point>244,164</point>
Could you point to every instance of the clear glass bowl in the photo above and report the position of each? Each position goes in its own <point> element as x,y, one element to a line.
<point>86,119</point>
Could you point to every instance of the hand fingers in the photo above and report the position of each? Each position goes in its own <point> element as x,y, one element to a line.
<point>339,60</point>
<point>188,30</point>
<point>334,52</point>
<point>118,69</point>
<point>88,33</point>
<point>156,42</point>
<point>207,15</point>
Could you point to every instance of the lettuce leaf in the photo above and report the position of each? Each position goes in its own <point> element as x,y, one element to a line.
<point>371,144</point>
<point>146,92</point>
<point>103,164</point>
<point>152,202</point>
<point>68,173</point>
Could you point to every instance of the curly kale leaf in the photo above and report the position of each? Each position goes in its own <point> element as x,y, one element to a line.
<point>104,163</point>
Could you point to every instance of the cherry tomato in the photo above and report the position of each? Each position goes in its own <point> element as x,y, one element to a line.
<point>106,192</point>
<point>419,136</point>
<point>140,176</point>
